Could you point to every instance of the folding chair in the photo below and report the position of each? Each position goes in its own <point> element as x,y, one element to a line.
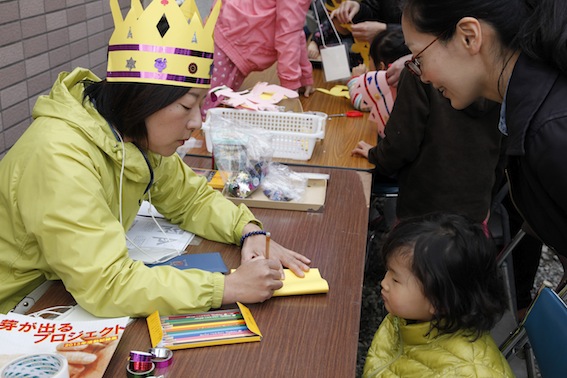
<point>382,216</point>
<point>499,227</point>
<point>543,331</point>
<point>505,263</point>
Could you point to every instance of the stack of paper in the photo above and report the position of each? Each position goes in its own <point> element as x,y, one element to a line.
<point>312,283</point>
<point>154,240</point>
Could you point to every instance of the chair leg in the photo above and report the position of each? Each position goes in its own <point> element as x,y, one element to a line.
<point>503,255</point>
<point>563,281</point>
<point>530,361</point>
<point>507,268</point>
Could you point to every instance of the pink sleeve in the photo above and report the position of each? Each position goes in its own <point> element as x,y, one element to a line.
<point>294,68</point>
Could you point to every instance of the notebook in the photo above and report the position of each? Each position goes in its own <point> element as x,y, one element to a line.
<point>211,262</point>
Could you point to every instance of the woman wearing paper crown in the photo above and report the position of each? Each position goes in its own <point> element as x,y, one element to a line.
<point>73,183</point>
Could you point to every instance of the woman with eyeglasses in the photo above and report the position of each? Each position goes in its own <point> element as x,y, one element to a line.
<point>513,52</point>
<point>443,159</point>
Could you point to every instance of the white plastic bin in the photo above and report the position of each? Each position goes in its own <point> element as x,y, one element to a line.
<point>293,134</point>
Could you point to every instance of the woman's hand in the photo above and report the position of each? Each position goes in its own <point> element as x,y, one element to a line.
<point>346,11</point>
<point>362,149</point>
<point>255,246</point>
<point>254,281</point>
<point>367,30</point>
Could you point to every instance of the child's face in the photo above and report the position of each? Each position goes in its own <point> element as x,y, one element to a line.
<point>403,293</point>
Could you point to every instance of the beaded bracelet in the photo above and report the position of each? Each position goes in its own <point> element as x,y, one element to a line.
<point>252,233</point>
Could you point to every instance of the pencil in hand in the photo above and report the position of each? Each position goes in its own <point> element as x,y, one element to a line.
<point>267,253</point>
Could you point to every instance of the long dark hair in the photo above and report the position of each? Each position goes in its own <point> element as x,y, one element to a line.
<point>456,264</point>
<point>127,105</point>
<point>537,27</point>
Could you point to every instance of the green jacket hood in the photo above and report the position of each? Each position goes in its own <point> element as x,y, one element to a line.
<point>64,103</point>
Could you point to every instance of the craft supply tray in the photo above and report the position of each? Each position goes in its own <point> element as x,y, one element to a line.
<point>293,134</point>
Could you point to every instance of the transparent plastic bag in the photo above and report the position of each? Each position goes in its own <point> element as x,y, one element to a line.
<point>283,184</point>
<point>242,155</point>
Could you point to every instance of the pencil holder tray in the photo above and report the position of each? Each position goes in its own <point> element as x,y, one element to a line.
<point>293,134</point>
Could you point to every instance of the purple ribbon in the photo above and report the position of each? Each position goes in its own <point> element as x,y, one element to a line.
<point>160,49</point>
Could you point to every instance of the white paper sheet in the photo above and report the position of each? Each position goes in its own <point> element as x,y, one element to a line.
<point>146,242</point>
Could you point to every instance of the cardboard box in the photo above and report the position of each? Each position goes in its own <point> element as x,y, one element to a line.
<point>313,198</point>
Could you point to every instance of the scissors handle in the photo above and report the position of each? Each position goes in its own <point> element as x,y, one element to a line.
<point>353,113</point>
<point>350,113</point>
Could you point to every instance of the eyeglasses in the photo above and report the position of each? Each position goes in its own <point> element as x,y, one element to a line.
<point>413,64</point>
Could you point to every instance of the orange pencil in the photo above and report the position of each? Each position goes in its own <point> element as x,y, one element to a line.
<point>267,245</point>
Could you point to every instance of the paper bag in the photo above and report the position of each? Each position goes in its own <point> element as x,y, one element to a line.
<point>335,62</point>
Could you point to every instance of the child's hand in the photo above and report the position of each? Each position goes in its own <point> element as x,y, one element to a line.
<point>313,51</point>
<point>361,69</point>
<point>307,90</point>
<point>362,149</point>
<point>393,72</point>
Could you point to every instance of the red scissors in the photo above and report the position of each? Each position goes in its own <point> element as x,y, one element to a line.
<point>350,114</point>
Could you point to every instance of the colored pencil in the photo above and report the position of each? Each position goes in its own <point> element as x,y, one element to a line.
<point>180,328</point>
<point>200,334</point>
<point>175,322</point>
<point>231,312</point>
<point>220,336</point>
<point>267,245</point>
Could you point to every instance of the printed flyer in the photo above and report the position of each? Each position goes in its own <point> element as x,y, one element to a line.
<point>87,346</point>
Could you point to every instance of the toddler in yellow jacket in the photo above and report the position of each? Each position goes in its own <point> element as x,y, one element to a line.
<point>443,295</point>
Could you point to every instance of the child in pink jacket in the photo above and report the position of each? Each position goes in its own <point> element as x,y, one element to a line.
<point>252,35</point>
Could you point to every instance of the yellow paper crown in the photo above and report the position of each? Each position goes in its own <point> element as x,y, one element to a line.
<point>179,53</point>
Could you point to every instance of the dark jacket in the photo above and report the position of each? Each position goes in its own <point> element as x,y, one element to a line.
<point>536,117</point>
<point>386,11</point>
<point>445,159</point>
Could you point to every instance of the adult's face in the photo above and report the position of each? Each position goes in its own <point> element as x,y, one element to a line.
<point>454,67</point>
<point>170,127</point>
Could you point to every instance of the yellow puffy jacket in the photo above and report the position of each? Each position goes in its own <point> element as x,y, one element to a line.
<point>402,350</point>
<point>59,213</point>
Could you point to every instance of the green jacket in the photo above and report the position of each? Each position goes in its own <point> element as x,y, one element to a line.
<point>402,350</point>
<point>59,213</point>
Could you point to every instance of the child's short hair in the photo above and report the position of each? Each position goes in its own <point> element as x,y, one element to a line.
<point>456,265</point>
<point>388,45</point>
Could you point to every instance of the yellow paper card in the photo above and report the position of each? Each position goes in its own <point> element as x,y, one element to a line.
<point>312,283</point>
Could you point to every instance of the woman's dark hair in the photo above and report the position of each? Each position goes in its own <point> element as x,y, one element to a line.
<point>537,27</point>
<point>127,105</point>
<point>388,45</point>
<point>456,264</point>
<point>544,35</point>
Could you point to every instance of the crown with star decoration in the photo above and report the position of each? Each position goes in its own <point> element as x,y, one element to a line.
<point>165,43</point>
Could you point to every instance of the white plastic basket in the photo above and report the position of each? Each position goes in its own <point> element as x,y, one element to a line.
<point>293,134</point>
